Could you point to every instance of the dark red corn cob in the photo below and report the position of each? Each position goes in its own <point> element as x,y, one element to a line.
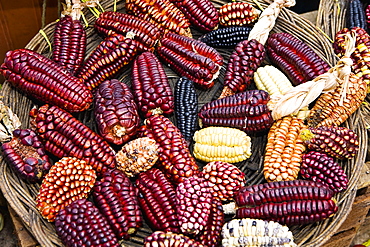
<point>107,59</point>
<point>157,199</point>
<point>146,33</point>
<point>319,167</point>
<point>190,58</point>
<point>295,58</point>
<point>63,135</point>
<point>26,155</point>
<point>150,86</point>
<point>247,56</point>
<point>355,14</point>
<point>81,224</point>
<point>227,37</point>
<point>116,198</point>
<point>44,80</point>
<point>186,107</point>
<point>69,45</point>
<point>170,239</point>
<point>175,159</point>
<point>246,111</point>
<point>337,142</point>
<point>367,16</point>
<point>238,14</point>
<point>116,112</point>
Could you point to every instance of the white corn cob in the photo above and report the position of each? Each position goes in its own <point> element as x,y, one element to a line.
<point>254,232</point>
<point>272,80</point>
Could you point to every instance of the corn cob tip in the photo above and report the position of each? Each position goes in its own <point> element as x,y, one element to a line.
<point>306,135</point>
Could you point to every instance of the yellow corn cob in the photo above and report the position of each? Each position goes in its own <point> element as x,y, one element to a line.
<point>272,80</point>
<point>221,144</point>
<point>284,150</point>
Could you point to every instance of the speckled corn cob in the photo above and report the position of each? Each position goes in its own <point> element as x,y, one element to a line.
<point>116,112</point>
<point>146,33</point>
<point>272,80</point>
<point>26,155</point>
<point>63,135</point>
<point>320,167</point>
<point>295,58</point>
<point>224,179</point>
<point>170,239</point>
<point>246,111</point>
<point>107,59</point>
<point>162,13</point>
<point>157,197</point>
<point>150,86</point>
<point>44,80</point>
<point>221,144</point>
<point>175,159</point>
<point>337,142</point>
<point>227,37</point>
<point>238,14</point>
<point>190,58</point>
<point>355,14</point>
<point>68,180</point>
<point>81,224</point>
<point>284,150</point>
<point>117,199</point>
<point>253,232</point>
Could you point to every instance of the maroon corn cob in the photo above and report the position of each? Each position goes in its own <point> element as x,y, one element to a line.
<point>63,135</point>
<point>295,58</point>
<point>44,80</point>
<point>246,111</point>
<point>26,155</point>
<point>107,59</point>
<point>319,167</point>
<point>175,159</point>
<point>190,58</point>
<point>238,14</point>
<point>246,58</point>
<point>157,199</point>
<point>116,112</point>
<point>146,33</point>
<point>116,198</point>
<point>69,45</point>
<point>170,239</point>
<point>81,224</point>
<point>150,86</point>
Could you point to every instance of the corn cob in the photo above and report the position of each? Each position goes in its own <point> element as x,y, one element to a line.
<point>150,86</point>
<point>227,37</point>
<point>253,232</point>
<point>247,56</point>
<point>202,14</point>
<point>337,142</point>
<point>63,135</point>
<point>367,16</point>
<point>146,33</point>
<point>157,197</point>
<point>68,180</point>
<point>186,108</point>
<point>295,58</point>
<point>319,167</point>
<point>355,14</point>
<point>175,159</point>
<point>246,111</point>
<point>116,112</point>
<point>137,156</point>
<point>329,110</point>
<point>286,202</point>
<point>190,58</point>
<point>224,179</point>
<point>117,199</point>
<point>284,150</point>
<point>69,45</point>
<point>272,80</point>
<point>162,13</point>
<point>170,239</point>
<point>81,224</point>
<point>107,59</point>
<point>44,80</point>
<point>238,14</point>
<point>221,144</point>
<point>26,155</point>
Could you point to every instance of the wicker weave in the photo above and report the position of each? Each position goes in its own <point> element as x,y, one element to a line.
<point>21,195</point>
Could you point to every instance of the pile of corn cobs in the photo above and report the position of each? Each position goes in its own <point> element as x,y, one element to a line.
<point>107,183</point>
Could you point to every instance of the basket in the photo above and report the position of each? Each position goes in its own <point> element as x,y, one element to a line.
<point>21,195</point>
